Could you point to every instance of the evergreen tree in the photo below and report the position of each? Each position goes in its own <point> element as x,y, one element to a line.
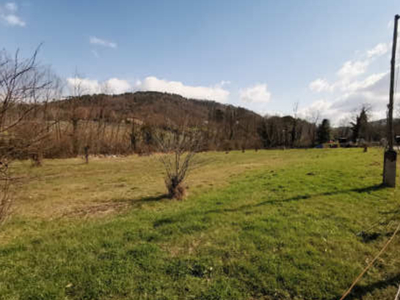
<point>360,126</point>
<point>324,131</point>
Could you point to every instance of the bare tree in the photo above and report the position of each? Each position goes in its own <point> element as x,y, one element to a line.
<point>39,121</point>
<point>296,133</point>
<point>22,83</point>
<point>77,91</point>
<point>313,119</point>
<point>344,129</point>
<point>178,148</point>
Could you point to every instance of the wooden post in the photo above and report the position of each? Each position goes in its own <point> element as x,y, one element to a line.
<point>87,154</point>
<point>390,157</point>
<point>391,92</point>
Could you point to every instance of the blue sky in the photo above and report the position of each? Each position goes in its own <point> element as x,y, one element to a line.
<point>330,56</point>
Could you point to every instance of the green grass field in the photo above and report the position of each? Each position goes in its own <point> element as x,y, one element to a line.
<point>255,225</point>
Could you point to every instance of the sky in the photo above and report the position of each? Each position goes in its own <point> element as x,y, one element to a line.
<point>328,56</point>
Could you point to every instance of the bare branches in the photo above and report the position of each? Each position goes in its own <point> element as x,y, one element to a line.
<point>24,88</point>
<point>178,148</point>
<point>20,84</point>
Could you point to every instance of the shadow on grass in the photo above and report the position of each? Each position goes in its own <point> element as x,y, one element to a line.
<point>152,198</point>
<point>142,200</point>
<point>368,190</point>
<point>117,204</point>
<point>114,205</point>
<point>360,291</point>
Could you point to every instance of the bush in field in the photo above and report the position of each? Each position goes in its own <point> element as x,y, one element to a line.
<point>178,149</point>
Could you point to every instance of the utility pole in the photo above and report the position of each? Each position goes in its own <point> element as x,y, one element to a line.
<point>390,157</point>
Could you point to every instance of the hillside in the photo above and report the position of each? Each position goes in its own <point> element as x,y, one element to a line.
<point>158,108</point>
<point>126,123</point>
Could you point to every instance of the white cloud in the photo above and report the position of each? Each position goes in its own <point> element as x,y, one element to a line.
<point>320,85</point>
<point>369,81</point>
<point>11,6</point>
<point>271,113</point>
<point>8,15</point>
<point>354,87</point>
<point>216,92</point>
<point>378,50</point>
<point>257,93</point>
<point>351,69</point>
<point>224,82</point>
<point>372,91</point>
<point>321,108</point>
<point>13,20</point>
<point>349,72</point>
<point>81,86</point>
<point>116,86</point>
<point>97,41</point>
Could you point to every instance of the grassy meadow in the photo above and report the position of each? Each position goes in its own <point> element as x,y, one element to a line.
<point>276,224</point>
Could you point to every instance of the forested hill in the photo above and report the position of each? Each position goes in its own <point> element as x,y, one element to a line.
<point>127,122</point>
<point>157,108</point>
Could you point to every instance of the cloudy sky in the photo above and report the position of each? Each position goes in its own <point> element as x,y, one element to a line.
<point>330,56</point>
